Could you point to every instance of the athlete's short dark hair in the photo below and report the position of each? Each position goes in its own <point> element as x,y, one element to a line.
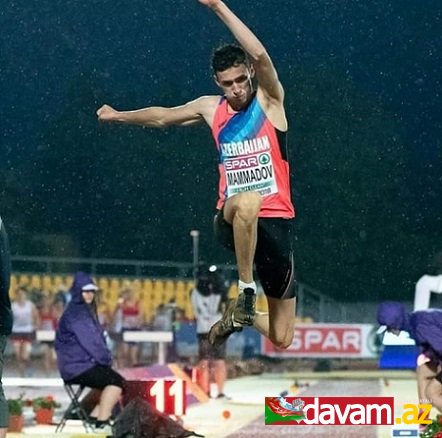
<point>228,56</point>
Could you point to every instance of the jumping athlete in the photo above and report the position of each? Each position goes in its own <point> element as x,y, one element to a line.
<point>254,210</point>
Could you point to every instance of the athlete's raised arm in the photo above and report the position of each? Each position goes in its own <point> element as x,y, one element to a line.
<point>266,74</point>
<point>196,111</point>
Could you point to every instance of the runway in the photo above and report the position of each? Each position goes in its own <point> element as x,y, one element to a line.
<point>246,407</point>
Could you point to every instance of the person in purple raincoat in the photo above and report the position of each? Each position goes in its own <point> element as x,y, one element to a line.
<point>425,328</point>
<point>82,354</point>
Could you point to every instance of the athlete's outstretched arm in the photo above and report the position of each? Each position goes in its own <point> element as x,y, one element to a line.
<point>265,71</point>
<point>192,112</point>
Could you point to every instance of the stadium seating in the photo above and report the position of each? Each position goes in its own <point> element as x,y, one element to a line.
<point>151,292</point>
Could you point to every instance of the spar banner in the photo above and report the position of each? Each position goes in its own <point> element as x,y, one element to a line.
<point>327,340</point>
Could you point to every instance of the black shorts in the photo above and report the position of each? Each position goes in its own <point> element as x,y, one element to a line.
<point>274,259</point>
<point>99,377</point>
<point>207,351</point>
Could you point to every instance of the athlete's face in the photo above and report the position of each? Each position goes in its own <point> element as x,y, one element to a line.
<point>236,83</point>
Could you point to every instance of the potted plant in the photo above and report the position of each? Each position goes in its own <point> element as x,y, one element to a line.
<point>434,429</point>
<point>15,409</point>
<point>44,409</point>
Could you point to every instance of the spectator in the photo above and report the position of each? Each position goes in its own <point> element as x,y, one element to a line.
<point>63,295</point>
<point>128,308</point>
<point>208,299</point>
<point>104,313</point>
<point>425,328</point>
<point>105,319</point>
<point>48,321</point>
<point>26,320</point>
<point>82,353</point>
<point>5,320</point>
<point>429,283</point>
<point>162,320</point>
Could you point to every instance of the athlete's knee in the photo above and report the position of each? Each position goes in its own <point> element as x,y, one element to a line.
<point>248,205</point>
<point>282,340</point>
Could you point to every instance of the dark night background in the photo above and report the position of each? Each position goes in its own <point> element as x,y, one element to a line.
<point>363,91</point>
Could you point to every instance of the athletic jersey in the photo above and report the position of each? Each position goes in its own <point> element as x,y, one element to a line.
<point>22,317</point>
<point>252,157</point>
<point>47,321</point>
<point>206,309</point>
<point>130,316</point>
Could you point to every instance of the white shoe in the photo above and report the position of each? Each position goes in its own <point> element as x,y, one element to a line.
<point>105,429</point>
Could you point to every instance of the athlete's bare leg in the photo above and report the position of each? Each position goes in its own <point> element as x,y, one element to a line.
<point>279,324</point>
<point>241,211</point>
<point>424,374</point>
<point>432,388</point>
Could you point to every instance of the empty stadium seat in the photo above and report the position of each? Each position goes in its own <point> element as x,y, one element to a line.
<point>233,291</point>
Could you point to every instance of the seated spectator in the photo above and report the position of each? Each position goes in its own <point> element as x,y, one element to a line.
<point>82,354</point>
<point>26,320</point>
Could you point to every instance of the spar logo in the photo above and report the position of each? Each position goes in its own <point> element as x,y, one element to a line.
<point>264,159</point>
<point>337,411</point>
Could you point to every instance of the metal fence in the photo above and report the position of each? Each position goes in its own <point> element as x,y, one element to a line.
<point>311,302</point>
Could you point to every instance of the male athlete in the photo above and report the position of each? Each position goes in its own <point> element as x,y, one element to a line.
<point>254,210</point>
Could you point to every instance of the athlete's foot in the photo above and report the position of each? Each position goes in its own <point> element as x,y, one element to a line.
<point>244,313</point>
<point>223,328</point>
<point>238,314</point>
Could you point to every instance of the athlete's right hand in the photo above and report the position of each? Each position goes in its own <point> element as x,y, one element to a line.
<point>107,114</point>
<point>210,3</point>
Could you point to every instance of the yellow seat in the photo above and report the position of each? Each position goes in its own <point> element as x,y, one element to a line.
<point>148,307</point>
<point>35,282</point>
<point>59,283</point>
<point>68,280</point>
<point>23,280</point>
<point>158,292</point>
<point>233,291</point>
<point>115,284</point>
<point>14,282</point>
<point>138,289</point>
<point>47,283</point>
<point>180,287</point>
<point>111,296</point>
<point>103,283</point>
<point>188,311</point>
<point>169,291</point>
<point>147,285</point>
<point>261,303</point>
<point>189,285</point>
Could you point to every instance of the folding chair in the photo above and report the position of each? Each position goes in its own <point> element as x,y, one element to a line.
<point>74,392</point>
